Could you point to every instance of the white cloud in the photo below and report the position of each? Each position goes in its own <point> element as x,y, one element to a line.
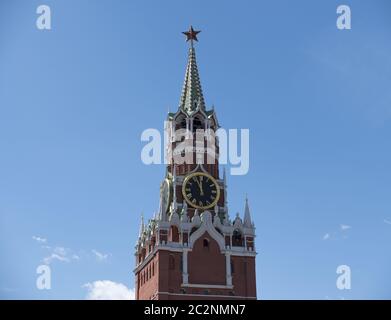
<point>60,254</point>
<point>39,239</point>
<point>100,256</point>
<point>54,256</point>
<point>60,251</point>
<point>108,290</point>
<point>387,221</point>
<point>338,233</point>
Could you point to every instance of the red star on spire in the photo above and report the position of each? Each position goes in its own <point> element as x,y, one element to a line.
<point>191,34</point>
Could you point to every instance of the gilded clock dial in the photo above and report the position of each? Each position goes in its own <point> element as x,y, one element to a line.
<point>201,190</point>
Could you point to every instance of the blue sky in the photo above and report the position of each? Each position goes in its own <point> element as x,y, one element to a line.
<point>74,101</point>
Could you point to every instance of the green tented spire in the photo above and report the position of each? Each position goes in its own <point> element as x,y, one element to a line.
<point>192,98</point>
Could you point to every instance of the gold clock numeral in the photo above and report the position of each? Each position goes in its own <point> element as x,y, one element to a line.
<point>194,201</point>
<point>188,189</point>
<point>207,203</point>
<point>201,203</point>
<point>189,195</point>
<point>213,198</point>
<point>214,191</point>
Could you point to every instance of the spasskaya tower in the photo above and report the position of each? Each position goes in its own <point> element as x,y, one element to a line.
<point>191,249</point>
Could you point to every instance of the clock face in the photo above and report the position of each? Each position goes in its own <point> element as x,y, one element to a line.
<point>166,194</point>
<point>201,190</point>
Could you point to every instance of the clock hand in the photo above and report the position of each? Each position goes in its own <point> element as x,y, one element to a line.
<point>200,186</point>
<point>201,189</point>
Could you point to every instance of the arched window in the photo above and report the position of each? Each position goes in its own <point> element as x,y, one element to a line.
<point>237,240</point>
<point>171,262</point>
<point>232,267</point>
<point>181,123</point>
<point>244,266</point>
<point>197,124</point>
<point>206,244</point>
<point>174,234</point>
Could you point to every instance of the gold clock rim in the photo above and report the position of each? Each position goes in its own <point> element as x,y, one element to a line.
<point>188,177</point>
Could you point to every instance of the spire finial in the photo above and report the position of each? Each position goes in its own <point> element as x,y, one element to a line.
<point>191,35</point>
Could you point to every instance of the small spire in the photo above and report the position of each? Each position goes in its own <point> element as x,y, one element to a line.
<point>184,216</point>
<point>247,217</point>
<point>159,215</point>
<point>141,231</point>
<point>174,199</point>
<point>174,173</point>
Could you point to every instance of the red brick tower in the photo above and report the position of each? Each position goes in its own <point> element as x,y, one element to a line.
<point>191,249</point>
